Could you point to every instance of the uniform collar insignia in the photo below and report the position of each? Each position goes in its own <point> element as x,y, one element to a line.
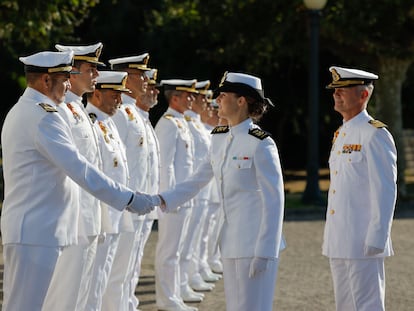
<point>220,129</point>
<point>258,133</point>
<point>93,117</point>
<point>48,107</point>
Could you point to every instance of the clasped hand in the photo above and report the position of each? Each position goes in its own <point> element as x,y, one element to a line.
<point>257,266</point>
<point>372,251</point>
<point>143,203</point>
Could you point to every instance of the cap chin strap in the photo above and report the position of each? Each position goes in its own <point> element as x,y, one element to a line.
<point>346,83</point>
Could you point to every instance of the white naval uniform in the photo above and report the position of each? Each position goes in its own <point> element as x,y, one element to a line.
<point>210,253</point>
<point>142,153</point>
<point>41,207</point>
<point>247,169</point>
<point>176,156</point>
<point>107,265</point>
<point>192,244</point>
<point>361,203</point>
<point>84,253</point>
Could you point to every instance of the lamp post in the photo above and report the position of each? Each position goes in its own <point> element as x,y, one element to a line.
<point>312,192</point>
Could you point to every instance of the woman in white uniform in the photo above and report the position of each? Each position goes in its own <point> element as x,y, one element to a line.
<point>245,163</point>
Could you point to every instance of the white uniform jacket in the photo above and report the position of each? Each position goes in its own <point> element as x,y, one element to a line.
<point>114,165</point>
<point>176,150</point>
<point>154,161</point>
<point>142,149</point>
<point>246,165</point>
<point>86,140</point>
<point>362,191</point>
<point>40,162</point>
<point>201,144</point>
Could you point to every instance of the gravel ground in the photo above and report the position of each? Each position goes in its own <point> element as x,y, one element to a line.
<point>304,280</point>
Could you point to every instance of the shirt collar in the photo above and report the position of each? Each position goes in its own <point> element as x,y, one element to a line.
<point>100,115</point>
<point>71,97</point>
<point>126,99</point>
<point>38,97</point>
<point>359,118</point>
<point>242,127</point>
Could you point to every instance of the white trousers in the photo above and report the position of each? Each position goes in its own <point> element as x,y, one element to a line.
<point>172,228</point>
<point>190,257</point>
<point>116,294</point>
<point>213,253</point>
<point>105,256</point>
<point>28,272</point>
<point>359,284</point>
<point>88,261</point>
<point>41,278</point>
<point>246,294</point>
<point>144,233</point>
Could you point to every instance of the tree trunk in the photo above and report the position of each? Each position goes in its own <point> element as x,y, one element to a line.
<point>392,73</point>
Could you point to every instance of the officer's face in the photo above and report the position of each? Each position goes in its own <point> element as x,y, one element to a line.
<point>137,82</point>
<point>200,103</point>
<point>58,85</point>
<point>85,81</point>
<point>185,101</point>
<point>349,101</point>
<point>150,99</point>
<point>110,101</point>
<point>228,105</point>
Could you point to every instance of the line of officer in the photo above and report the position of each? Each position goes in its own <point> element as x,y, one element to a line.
<point>245,163</point>
<point>43,170</point>
<point>112,260</point>
<point>192,248</point>
<point>176,156</point>
<point>209,252</point>
<point>142,154</point>
<point>362,195</point>
<point>86,60</point>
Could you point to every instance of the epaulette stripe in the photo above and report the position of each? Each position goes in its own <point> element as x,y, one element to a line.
<point>169,116</point>
<point>258,133</point>
<point>220,129</point>
<point>377,123</point>
<point>48,107</point>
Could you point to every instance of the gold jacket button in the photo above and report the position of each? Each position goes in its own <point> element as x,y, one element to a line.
<point>331,211</point>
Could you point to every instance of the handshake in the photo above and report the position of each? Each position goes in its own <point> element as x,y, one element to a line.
<point>142,203</point>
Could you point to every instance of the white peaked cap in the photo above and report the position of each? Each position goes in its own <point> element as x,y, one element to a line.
<point>112,80</point>
<point>87,53</point>
<point>347,77</point>
<point>48,61</point>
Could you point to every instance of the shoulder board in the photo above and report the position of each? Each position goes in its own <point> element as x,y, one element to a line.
<point>48,107</point>
<point>258,133</point>
<point>93,117</point>
<point>188,118</point>
<point>169,116</point>
<point>378,124</point>
<point>220,129</point>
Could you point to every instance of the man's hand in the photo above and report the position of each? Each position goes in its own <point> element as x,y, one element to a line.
<point>142,203</point>
<point>372,251</point>
<point>257,266</point>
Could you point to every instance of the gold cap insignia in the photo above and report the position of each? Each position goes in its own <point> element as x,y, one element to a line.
<point>335,75</point>
<point>223,78</point>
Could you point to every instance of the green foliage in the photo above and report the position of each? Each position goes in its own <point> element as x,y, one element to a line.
<point>34,23</point>
<point>200,39</point>
<point>383,28</point>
